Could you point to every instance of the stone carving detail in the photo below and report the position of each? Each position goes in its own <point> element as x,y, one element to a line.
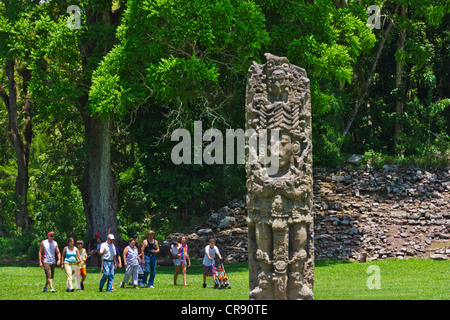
<point>280,221</point>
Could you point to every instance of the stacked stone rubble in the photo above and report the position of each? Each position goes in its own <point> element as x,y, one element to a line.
<point>392,212</point>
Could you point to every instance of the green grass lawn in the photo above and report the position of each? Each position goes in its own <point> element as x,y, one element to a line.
<point>417,279</point>
<point>399,279</point>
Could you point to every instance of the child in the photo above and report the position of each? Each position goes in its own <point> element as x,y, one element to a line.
<point>183,252</point>
<point>222,277</point>
<point>81,272</point>
<point>174,250</point>
<point>208,261</point>
<point>140,267</point>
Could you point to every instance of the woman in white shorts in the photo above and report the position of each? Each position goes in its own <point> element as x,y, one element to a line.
<point>174,249</point>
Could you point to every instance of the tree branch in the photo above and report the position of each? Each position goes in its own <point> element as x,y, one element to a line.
<point>4,96</point>
<point>365,88</point>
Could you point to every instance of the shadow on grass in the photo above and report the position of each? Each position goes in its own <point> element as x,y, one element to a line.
<point>197,269</point>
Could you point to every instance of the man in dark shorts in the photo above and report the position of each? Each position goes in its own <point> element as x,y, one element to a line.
<point>208,261</point>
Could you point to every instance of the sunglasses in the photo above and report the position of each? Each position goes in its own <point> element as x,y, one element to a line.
<point>52,235</point>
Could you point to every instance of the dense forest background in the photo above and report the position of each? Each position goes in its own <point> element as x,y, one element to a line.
<point>86,114</point>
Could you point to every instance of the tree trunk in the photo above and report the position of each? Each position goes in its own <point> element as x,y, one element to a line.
<point>98,187</point>
<point>185,211</point>
<point>399,83</point>
<point>21,143</point>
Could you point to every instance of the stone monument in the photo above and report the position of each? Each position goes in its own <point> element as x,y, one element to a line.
<point>280,218</point>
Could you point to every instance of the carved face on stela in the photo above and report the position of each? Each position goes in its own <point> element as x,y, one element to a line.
<point>278,70</point>
<point>279,85</point>
<point>285,149</point>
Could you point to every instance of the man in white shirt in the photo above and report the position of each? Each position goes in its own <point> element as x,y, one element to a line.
<point>107,252</point>
<point>48,257</point>
<point>208,260</point>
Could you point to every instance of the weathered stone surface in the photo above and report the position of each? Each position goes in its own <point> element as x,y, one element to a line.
<point>371,223</point>
<point>355,159</point>
<point>396,214</point>
<point>280,220</point>
<point>438,257</point>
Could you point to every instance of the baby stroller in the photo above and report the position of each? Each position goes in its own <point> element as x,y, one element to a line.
<point>221,277</point>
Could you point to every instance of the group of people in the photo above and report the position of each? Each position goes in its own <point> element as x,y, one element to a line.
<point>139,261</point>
<point>73,261</point>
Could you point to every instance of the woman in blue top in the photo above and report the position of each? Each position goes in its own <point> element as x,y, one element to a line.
<point>70,255</point>
<point>132,261</point>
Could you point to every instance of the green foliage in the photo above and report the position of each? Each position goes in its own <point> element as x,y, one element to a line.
<point>176,59</point>
<point>9,207</point>
<point>328,42</point>
<point>156,66</point>
<point>425,115</point>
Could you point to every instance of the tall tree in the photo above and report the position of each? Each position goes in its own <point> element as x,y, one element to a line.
<point>331,41</point>
<point>17,43</point>
<point>181,61</point>
<point>63,70</point>
<point>399,86</point>
<point>365,83</point>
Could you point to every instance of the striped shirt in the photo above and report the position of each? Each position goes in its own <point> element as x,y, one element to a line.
<point>132,256</point>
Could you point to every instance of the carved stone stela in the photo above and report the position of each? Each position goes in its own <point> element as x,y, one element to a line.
<point>280,220</point>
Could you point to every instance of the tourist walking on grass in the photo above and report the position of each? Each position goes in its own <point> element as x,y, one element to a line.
<point>118,261</point>
<point>150,248</point>
<point>141,265</point>
<point>49,256</point>
<point>82,271</point>
<point>108,252</point>
<point>132,261</point>
<point>72,262</point>
<point>175,252</point>
<point>184,256</point>
<point>208,261</point>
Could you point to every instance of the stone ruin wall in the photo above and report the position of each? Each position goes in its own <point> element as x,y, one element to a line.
<point>392,212</point>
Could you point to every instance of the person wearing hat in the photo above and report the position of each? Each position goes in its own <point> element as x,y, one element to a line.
<point>49,255</point>
<point>108,252</point>
<point>150,248</point>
